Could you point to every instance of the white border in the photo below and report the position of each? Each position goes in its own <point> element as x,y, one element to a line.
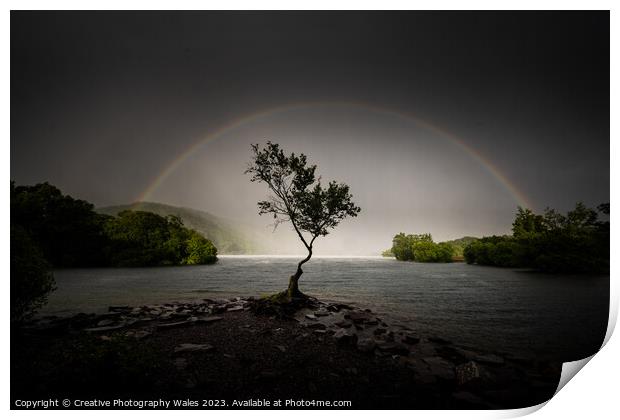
<point>593,393</point>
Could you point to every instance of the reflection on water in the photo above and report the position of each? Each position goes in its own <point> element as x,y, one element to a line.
<point>496,309</point>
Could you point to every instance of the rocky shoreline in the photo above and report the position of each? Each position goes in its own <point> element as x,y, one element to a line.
<point>222,349</point>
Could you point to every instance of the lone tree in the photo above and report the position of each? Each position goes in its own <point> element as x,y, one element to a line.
<point>299,198</point>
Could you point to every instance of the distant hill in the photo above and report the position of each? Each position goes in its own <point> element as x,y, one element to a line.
<point>225,235</point>
<point>460,244</point>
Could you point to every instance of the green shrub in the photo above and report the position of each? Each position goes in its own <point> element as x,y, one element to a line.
<point>31,277</point>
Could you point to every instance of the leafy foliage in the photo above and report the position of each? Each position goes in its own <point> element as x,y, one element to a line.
<point>140,238</point>
<point>199,250</point>
<point>229,237</point>
<point>31,277</point>
<point>552,242</point>
<point>70,233</point>
<point>298,196</point>
<point>459,246</point>
<point>421,248</point>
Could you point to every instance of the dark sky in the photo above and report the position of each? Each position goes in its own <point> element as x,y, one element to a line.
<point>102,102</point>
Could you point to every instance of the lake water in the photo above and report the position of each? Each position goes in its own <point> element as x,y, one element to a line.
<point>502,310</point>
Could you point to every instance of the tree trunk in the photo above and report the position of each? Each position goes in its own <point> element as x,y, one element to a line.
<point>293,283</point>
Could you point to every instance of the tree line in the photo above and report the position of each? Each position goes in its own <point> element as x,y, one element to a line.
<point>420,248</point>
<point>577,242</point>
<point>53,230</point>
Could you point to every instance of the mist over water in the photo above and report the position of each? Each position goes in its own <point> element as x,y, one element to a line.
<point>493,309</point>
<point>404,176</point>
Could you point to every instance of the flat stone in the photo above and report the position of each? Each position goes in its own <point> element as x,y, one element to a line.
<point>173,324</point>
<point>357,317</point>
<point>310,316</point>
<point>343,324</point>
<point>281,348</point>
<point>189,347</point>
<point>411,339</point>
<point>105,322</point>
<point>345,338</point>
<point>234,309</point>
<point>379,331</point>
<point>106,328</point>
<point>208,319</point>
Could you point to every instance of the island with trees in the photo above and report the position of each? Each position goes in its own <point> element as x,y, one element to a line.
<point>52,230</point>
<point>577,242</point>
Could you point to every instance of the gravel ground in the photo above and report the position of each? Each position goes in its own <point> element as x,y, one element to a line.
<point>224,353</point>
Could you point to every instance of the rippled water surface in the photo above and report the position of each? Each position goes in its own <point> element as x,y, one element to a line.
<point>495,309</point>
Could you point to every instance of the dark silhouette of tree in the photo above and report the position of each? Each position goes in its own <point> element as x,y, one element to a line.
<point>299,197</point>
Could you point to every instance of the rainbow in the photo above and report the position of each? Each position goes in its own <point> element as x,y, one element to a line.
<point>519,197</point>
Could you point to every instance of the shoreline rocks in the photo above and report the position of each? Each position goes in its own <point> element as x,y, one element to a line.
<point>434,363</point>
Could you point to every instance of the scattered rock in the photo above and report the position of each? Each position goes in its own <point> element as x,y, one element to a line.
<point>281,348</point>
<point>366,345</point>
<point>234,309</point>
<point>466,372</point>
<point>379,331</point>
<point>357,317</point>
<point>343,324</point>
<point>438,340</point>
<point>173,324</point>
<point>411,339</point>
<point>188,347</point>
<point>311,316</point>
<point>105,329</point>
<point>105,322</point>
<point>345,338</point>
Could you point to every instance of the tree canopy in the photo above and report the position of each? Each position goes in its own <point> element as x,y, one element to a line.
<point>552,242</point>
<point>421,248</point>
